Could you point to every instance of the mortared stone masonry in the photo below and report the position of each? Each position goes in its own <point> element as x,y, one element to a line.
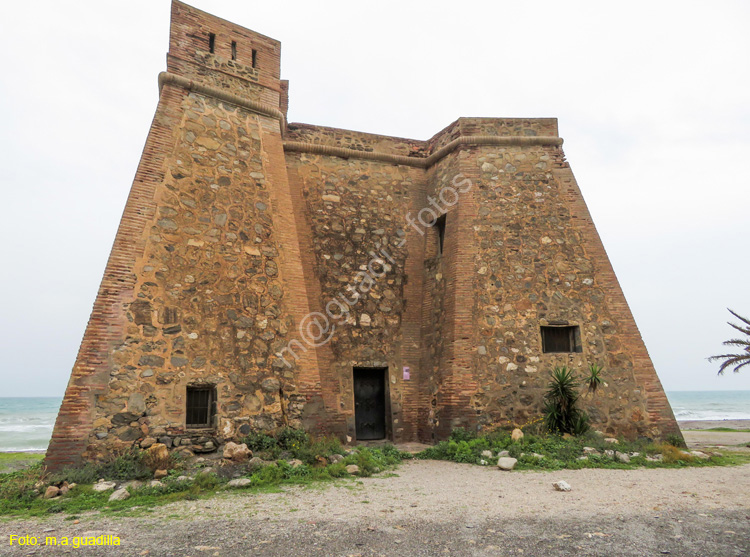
<point>267,261</point>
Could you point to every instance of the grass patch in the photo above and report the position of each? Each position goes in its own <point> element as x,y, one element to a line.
<point>10,462</point>
<point>553,452</point>
<point>6,458</point>
<point>21,491</point>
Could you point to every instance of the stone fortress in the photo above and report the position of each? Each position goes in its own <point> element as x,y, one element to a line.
<point>267,273</point>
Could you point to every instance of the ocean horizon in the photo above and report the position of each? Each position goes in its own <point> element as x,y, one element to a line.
<point>26,423</point>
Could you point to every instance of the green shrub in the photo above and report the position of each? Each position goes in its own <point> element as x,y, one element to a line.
<point>460,434</point>
<point>290,439</point>
<point>295,441</point>
<point>86,474</point>
<point>555,452</point>
<point>257,441</point>
<point>594,379</point>
<point>367,461</point>
<point>314,449</point>
<point>337,470</point>
<point>672,454</point>
<point>560,412</point>
<point>128,466</point>
<point>18,487</point>
<point>207,481</point>
<point>268,475</point>
<point>675,440</point>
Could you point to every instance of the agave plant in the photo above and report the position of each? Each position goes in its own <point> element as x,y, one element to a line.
<point>742,358</point>
<point>594,379</point>
<point>560,412</point>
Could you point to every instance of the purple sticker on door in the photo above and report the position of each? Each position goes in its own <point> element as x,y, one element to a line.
<point>407,375</point>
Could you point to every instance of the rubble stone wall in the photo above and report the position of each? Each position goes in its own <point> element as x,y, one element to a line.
<point>230,244</point>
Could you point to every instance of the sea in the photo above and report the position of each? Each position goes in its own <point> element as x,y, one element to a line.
<point>710,405</point>
<point>26,423</point>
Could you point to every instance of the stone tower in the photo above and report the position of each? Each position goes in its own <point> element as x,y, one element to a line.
<point>268,274</point>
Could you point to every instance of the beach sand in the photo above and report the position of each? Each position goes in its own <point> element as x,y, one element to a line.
<point>697,436</point>
<point>709,424</point>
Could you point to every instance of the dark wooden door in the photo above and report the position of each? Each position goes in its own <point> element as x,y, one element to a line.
<point>369,402</point>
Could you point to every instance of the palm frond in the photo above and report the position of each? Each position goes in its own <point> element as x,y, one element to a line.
<point>741,329</point>
<point>745,320</point>
<point>737,361</point>
<point>737,342</point>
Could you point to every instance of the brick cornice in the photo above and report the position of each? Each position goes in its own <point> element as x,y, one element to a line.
<point>194,86</point>
<point>333,150</point>
<point>421,162</point>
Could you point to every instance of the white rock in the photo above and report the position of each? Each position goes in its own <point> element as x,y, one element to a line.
<point>610,440</point>
<point>562,485</point>
<point>503,453</point>
<point>655,458</point>
<point>155,483</point>
<point>582,458</point>
<point>506,463</point>
<point>240,482</point>
<point>590,450</point>
<point>486,454</point>
<point>700,454</point>
<point>120,495</point>
<point>517,435</point>
<point>352,469</point>
<point>101,485</point>
<point>622,457</point>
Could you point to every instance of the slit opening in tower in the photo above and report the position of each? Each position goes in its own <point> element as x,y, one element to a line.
<point>211,42</point>
<point>234,50</point>
<point>439,226</point>
<point>255,57</point>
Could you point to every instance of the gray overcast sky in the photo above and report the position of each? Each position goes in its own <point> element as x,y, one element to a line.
<point>651,97</point>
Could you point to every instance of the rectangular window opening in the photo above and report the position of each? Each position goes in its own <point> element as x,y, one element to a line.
<point>255,57</point>
<point>211,42</point>
<point>234,50</point>
<point>439,225</point>
<point>561,339</point>
<point>200,406</point>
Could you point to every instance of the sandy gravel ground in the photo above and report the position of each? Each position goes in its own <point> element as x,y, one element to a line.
<point>696,436</point>
<point>708,424</point>
<point>735,441</point>
<point>443,508</point>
